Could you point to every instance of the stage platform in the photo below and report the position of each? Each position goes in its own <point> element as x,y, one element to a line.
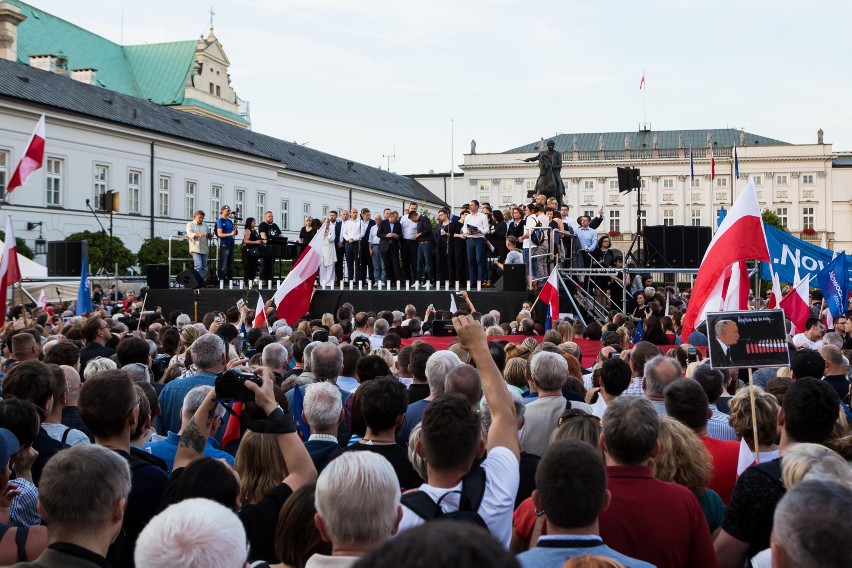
<point>327,301</point>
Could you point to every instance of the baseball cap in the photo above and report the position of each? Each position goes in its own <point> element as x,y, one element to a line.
<point>8,446</point>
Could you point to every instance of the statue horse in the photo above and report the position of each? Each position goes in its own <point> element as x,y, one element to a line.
<point>546,182</point>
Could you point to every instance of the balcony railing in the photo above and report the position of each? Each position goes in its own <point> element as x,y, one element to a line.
<point>643,154</point>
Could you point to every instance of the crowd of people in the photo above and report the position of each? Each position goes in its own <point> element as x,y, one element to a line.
<point>349,439</point>
<point>472,246</point>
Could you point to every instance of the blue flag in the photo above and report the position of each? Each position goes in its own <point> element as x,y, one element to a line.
<point>736,163</point>
<point>302,427</point>
<point>640,333</point>
<point>84,294</point>
<point>721,216</point>
<point>788,253</point>
<point>834,284</point>
<point>243,335</point>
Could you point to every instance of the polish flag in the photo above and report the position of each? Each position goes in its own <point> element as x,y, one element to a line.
<point>795,303</point>
<point>775,297</point>
<point>642,82</point>
<point>32,159</point>
<point>9,270</point>
<point>259,313</point>
<point>739,237</point>
<point>736,289</point>
<point>550,295</point>
<point>293,297</point>
<point>42,300</point>
<point>712,165</point>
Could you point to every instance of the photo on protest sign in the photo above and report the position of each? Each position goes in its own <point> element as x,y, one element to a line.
<point>747,339</point>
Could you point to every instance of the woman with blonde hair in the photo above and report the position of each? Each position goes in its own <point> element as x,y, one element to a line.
<point>767,424</point>
<point>260,465</point>
<point>517,350</point>
<point>387,357</point>
<point>528,523</point>
<point>814,459</point>
<point>684,460</point>
<point>327,320</point>
<point>515,372</point>
<point>566,330</point>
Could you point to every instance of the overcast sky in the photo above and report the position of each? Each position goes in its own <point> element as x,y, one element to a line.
<point>364,79</point>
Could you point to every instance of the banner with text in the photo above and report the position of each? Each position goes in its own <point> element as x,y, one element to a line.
<point>788,252</point>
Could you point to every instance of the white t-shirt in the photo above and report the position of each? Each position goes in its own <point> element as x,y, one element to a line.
<point>56,431</point>
<point>502,475</point>
<point>802,339</point>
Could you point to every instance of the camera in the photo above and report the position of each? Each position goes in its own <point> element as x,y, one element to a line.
<point>691,354</point>
<point>230,385</point>
<point>493,259</point>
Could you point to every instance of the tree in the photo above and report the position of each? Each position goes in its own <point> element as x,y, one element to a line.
<point>23,248</point>
<point>772,219</point>
<point>98,248</point>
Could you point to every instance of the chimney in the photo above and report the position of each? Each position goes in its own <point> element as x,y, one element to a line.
<point>10,17</point>
<point>88,76</point>
<point>45,62</point>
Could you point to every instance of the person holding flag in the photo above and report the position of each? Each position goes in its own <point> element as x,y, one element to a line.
<point>10,273</point>
<point>549,294</point>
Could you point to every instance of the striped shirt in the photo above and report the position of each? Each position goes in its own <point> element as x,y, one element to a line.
<point>635,388</point>
<point>719,427</point>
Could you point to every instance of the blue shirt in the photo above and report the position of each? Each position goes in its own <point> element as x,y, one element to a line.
<point>588,238</point>
<point>166,450</point>
<point>171,400</point>
<point>413,415</point>
<point>548,553</point>
<point>226,226</point>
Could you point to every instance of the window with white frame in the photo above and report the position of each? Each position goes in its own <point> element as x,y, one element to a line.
<point>285,214</point>
<point>164,196</point>
<point>782,215</point>
<point>53,181</point>
<point>758,180</point>
<point>4,173</point>
<point>644,183</point>
<point>589,213</point>
<point>529,184</point>
<point>696,217</point>
<point>484,185</point>
<point>239,201</point>
<point>668,217</point>
<point>589,184</point>
<point>643,219</point>
<point>668,183</point>
<point>615,220</point>
<point>508,185</point>
<point>807,179</point>
<point>696,182</point>
<point>189,197</point>
<point>325,209</point>
<point>721,182</point>
<point>306,209</point>
<point>101,181</point>
<point>215,199</point>
<point>134,191</point>
<point>781,180</point>
<point>807,217</point>
<point>261,206</point>
<point>613,184</point>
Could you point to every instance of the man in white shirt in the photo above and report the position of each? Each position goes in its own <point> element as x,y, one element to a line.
<point>196,232</point>
<point>376,255</point>
<point>474,230</point>
<point>353,230</point>
<point>451,438</point>
<point>536,219</point>
<point>811,338</point>
<point>408,243</point>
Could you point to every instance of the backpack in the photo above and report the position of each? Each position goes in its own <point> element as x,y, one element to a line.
<point>472,492</point>
<point>537,235</point>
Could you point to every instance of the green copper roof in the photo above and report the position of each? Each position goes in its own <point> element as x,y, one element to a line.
<point>644,140</point>
<point>187,102</point>
<point>156,72</point>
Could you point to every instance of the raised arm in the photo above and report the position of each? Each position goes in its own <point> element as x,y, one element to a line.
<point>504,426</point>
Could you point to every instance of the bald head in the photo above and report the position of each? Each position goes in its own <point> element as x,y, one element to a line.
<point>72,378</point>
<point>465,381</point>
<point>833,360</point>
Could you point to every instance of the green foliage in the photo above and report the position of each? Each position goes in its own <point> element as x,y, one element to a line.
<point>98,247</point>
<point>23,248</point>
<point>772,219</point>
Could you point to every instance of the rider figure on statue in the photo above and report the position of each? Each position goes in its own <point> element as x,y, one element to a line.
<point>549,181</point>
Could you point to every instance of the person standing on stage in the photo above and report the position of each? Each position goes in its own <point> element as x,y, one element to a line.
<point>587,238</point>
<point>352,233</point>
<point>458,248</point>
<point>442,245</point>
<point>251,242</point>
<point>337,228</point>
<point>329,254</point>
<point>378,265</point>
<point>475,229</point>
<point>408,244</point>
<point>365,267</point>
<point>423,238</point>
<point>226,231</point>
<point>389,234</point>
<point>199,243</point>
<point>267,230</point>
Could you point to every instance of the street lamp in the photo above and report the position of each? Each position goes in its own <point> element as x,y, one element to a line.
<point>40,242</point>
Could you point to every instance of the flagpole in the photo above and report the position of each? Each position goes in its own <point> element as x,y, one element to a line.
<point>141,311</point>
<point>753,417</point>
<point>644,99</point>
<point>452,167</point>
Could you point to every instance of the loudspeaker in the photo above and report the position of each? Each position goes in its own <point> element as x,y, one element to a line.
<point>628,179</point>
<point>514,278</point>
<point>158,276</point>
<point>189,278</point>
<point>66,258</point>
<point>704,236</point>
<point>443,328</point>
<point>655,246</point>
<point>675,242</point>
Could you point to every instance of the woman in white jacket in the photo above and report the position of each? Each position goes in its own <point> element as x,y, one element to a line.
<point>329,256</point>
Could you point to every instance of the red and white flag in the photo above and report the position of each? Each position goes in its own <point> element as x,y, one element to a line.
<point>293,297</point>
<point>712,165</point>
<point>775,297</point>
<point>739,237</point>
<point>736,288</point>
<point>795,303</point>
<point>259,313</point>
<point>42,300</point>
<point>642,82</point>
<point>9,270</point>
<point>32,159</point>
<point>550,295</point>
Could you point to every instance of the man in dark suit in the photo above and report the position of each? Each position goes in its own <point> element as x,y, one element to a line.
<point>389,233</point>
<point>338,242</point>
<point>366,261</point>
<point>723,345</point>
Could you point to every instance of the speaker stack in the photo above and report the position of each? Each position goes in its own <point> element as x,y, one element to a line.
<point>66,258</point>
<point>676,246</point>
